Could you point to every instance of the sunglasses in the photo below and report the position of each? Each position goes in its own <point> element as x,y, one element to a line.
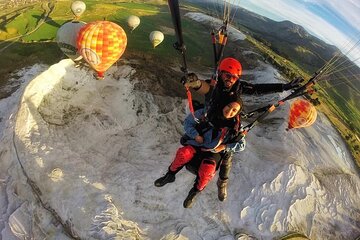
<point>230,76</point>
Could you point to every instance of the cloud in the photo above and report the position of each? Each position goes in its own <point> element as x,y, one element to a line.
<point>347,10</point>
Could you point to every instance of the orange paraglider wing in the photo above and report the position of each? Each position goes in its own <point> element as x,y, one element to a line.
<point>302,114</point>
<point>101,44</point>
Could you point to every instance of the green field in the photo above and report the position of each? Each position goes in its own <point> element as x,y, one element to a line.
<point>153,17</point>
<point>25,21</point>
<point>27,34</point>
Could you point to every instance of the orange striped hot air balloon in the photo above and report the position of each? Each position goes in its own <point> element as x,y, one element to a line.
<point>101,44</point>
<point>302,114</point>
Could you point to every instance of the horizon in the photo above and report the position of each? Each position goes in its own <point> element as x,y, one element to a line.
<point>335,22</point>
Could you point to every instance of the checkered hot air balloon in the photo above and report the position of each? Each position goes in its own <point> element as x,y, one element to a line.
<point>302,114</point>
<point>101,44</point>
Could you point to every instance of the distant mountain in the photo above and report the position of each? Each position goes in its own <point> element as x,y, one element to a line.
<point>285,38</point>
<point>288,40</point>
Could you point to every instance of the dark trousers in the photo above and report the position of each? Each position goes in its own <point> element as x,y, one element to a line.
<point>225,166</point>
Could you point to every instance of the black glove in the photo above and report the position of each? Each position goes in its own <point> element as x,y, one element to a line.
<point>293,84</point>
<point>191,80</point>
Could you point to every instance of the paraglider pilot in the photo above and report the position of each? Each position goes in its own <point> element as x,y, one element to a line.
<point>229,85</point>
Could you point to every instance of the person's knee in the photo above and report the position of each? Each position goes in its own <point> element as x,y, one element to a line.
<point>186,152</point>
<point>183,156</point>
<point>206,173</point>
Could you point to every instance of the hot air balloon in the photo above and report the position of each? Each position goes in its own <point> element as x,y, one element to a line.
<point>156,37</point>
<point>101,44</point>
<point>302,114</point>
<point>133,22</point>
<point>66,39</point>
<point>78,8</point>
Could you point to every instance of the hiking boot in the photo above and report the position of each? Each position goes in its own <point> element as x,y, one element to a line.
<point>189,200</point>
<point>222,191</point>
<point>168,178</point>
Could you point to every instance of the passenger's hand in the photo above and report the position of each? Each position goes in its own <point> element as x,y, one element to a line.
<point>219,148</point>
<point>199,139</point>
<point>293,84</point>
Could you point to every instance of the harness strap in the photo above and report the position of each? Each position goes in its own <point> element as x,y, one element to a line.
<point>191,107</point>
<point>238,123</point>
<point>222,136</point>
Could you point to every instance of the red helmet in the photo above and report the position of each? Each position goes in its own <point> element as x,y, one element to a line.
<point>231,65</point>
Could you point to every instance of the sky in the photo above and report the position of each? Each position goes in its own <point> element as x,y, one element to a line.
<point>335,21</point>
